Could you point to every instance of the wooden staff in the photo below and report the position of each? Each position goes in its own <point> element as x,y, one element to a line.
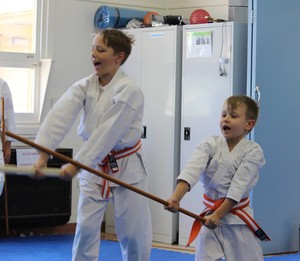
<point>5,182</point>
<point>3,122</point>
<point>29,170</point>
<point>101,174</point>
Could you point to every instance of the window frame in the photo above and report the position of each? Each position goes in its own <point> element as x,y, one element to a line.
<point>31,61</point>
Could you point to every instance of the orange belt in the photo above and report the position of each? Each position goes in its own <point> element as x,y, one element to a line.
<point>212,205</point>
<point>110,161</point>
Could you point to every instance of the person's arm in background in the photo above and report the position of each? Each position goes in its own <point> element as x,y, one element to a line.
<point>10,123</point>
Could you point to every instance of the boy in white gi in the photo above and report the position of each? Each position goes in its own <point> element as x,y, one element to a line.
<point>111,126</point>
<point>9,124</point>
<point>228,168</point>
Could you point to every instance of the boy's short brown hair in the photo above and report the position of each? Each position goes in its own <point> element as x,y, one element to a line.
<point>252,108</point>
<point>118,41</point>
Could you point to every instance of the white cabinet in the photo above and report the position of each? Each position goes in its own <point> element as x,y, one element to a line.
<point>213,68</point>
<point>155,64</point>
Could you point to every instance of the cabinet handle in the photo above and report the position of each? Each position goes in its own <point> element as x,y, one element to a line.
<point>257,90</point>
<point>187,133</point>
<point>144,133</point>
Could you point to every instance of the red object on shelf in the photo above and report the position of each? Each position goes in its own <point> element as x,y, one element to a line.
<point>199,16</point>
<point>148,17</point>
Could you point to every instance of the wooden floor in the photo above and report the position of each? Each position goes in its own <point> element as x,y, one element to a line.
<point>178,248</point>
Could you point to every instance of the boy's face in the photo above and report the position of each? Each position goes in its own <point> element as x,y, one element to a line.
<point>105,61</point>
<point>234,122</point>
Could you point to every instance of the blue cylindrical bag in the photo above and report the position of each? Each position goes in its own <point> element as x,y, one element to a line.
<point>115,17</point>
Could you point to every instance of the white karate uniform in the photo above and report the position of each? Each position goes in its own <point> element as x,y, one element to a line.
<point>9,118</point>
<point>111,119</point>
<point>226,174</point>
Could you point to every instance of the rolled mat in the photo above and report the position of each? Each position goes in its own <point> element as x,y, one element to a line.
<point>114,17</point>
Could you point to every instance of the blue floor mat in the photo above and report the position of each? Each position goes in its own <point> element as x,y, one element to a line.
<point>59,248</point>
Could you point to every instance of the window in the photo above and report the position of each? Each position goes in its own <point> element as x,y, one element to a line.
<point>20,55</point>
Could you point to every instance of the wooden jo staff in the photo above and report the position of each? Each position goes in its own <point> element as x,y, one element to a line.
<point>5,183</point>
<point>101,174</point>
<point>28,170</point>
<point>2,123</point>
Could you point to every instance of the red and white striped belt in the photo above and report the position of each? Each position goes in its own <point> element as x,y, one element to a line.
<point>238,210</point>
<point>110,161</point>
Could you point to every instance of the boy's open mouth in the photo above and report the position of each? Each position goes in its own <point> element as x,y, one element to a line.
<point>225,127</point>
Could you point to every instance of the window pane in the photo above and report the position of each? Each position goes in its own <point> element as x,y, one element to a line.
<point>20,81</point>
<point>17,26</point>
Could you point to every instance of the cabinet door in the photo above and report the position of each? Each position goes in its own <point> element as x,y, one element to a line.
<point>275,70</point>
<point>159,74</point>
<point>204,91</point>
<point>133,64</point>
<point>155,64</point>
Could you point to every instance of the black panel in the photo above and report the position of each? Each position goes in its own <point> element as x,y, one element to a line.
<point>34,203</point>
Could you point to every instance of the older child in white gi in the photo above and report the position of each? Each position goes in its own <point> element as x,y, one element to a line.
<point>110,125</point>
<point>9,124</point>
<point>228,167</point>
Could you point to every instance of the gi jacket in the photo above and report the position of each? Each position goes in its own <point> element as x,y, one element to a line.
<point>225,173</point>
<point>111,119</point>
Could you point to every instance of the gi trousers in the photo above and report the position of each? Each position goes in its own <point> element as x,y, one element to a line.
<point>234,242</point>
<point>132,221</point>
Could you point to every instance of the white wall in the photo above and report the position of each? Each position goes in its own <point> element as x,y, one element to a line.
<point>218,9</point>
<point>69,35</point>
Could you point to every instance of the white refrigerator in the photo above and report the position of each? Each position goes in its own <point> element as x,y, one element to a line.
<point>214,61</point>
<point>155,64</point>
